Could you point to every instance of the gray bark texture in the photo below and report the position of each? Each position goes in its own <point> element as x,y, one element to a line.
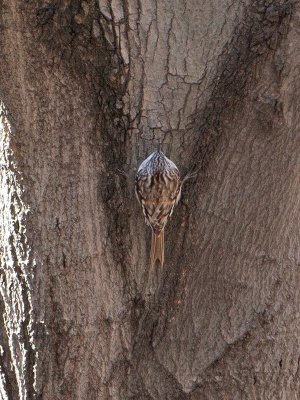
<point>89,87</point>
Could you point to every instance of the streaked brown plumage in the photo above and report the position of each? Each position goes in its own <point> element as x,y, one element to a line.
<point>158,188</point>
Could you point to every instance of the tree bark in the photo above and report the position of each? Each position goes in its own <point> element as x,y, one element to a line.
<point>90,87</point>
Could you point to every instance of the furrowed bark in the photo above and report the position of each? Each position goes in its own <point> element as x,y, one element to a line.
<point>90,87</point>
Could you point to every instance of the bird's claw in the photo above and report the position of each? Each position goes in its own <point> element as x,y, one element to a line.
<point>190,175</point>
<point>122,173</point>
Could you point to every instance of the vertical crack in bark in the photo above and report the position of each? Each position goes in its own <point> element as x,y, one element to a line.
<point>113,125</point>
<point>260,33</point>
<point>17,341</point>
<point>132,325</point>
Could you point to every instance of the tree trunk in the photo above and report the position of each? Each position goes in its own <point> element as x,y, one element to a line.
<point>90,87</point>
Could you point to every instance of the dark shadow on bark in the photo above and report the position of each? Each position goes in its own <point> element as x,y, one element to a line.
<point>254,39</point>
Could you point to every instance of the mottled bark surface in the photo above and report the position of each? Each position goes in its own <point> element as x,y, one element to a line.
<point>89,87</point>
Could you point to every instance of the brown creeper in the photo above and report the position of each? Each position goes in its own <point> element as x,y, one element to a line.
<point>158,188</point>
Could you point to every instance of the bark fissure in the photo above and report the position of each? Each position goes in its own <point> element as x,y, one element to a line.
<point>91,87</point>
<point>252,42</point>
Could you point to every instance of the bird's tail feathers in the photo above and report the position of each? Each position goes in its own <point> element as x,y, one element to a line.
<point>157,248</point>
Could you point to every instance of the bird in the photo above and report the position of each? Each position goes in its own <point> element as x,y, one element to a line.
<point>158,189</point>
